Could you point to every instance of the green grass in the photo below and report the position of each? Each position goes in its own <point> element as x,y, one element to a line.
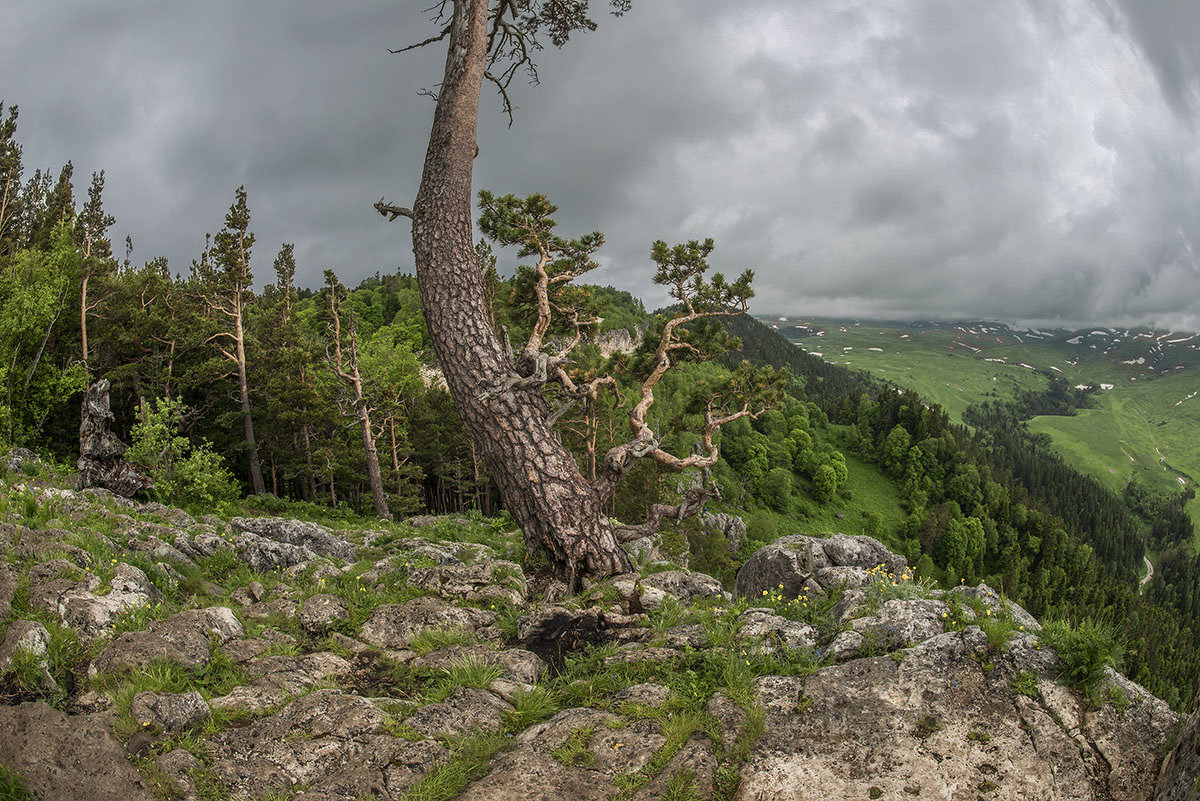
<point>868,491</point>
<point>1144,427</point>
<point>1136,430</point>
<point>11,786</point>
<point>929,362</point>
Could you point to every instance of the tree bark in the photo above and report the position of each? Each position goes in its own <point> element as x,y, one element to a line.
<point>558,511</point>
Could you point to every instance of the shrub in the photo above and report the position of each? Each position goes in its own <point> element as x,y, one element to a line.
<point>1085,649</point>
<point>184,474</point>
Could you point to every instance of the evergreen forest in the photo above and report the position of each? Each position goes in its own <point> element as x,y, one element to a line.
<point>236,387</point>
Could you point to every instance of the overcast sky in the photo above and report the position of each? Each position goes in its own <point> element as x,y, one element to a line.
<point>1021,161</point>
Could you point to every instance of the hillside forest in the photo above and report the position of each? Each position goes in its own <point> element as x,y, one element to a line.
<point>237,388</point>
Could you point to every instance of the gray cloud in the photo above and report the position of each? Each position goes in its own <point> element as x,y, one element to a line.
<point>932,158</point>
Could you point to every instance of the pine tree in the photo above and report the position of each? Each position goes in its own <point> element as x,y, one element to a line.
<point>225,285</point>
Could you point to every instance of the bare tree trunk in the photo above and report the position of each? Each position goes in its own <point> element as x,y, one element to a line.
<point>374,476</point>
<point>308,458</point>
<point>558,511</point>
<point>353,380</point>
<point>83,287</point>
<point>256,478</point>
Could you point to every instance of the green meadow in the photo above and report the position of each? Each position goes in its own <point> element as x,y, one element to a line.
<point>1145,425</point>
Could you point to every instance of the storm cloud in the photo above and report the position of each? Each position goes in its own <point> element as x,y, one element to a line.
<point>1005,159</point>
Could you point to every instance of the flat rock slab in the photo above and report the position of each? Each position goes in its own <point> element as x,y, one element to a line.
<point>936,724</point>
<point>395,625</point>
<point>329,741</point>
<point>315,538</point>
<point>64,757</point>
<point>182,637</point>
<point>529,771</point>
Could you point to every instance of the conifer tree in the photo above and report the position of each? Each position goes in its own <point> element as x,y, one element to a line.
<point>91,228</point>
<point>225,287</point>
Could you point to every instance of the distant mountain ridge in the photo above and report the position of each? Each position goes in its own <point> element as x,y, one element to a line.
<point>1131,353</point>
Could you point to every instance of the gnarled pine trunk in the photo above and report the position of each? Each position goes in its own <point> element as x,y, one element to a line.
<point>541,485</point>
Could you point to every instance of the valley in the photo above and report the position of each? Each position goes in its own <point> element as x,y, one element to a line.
<point>1145,420</point>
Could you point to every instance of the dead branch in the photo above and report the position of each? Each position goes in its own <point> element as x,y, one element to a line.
<point>692,504</point>
<point>392,211</point>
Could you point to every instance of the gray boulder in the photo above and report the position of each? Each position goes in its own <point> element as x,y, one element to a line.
<point>169,712</point>
<point>315,538</point>
<point>761,628</point>
<point>320,613</point>
<point>76,602</point>
<point>900,623</point>
<point>683,585</point>
<point>467,710</point>
<point>263,555</point>
<point>64,757</point>
<point>481,582</point>
<point>395,625</point>
<point>183,637</point>
<point>17,460</point>
<point>797,562</point>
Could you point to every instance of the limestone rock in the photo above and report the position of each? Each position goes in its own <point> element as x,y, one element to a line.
<point>263,555</point>
<point>796,562</point>
<point>466,710</point>
<point>183,637</point>
<point>18,460</point>
<point>320,613</point>
<point>529,771</point>
<point>901,623</point>
<point>177,767</point>
<point>315,538</point>
<point>761,628</point>
<point>937,725</point>
<point>30,637</point>
<point>395,625</point>
<point>169,712</point>
<point>481,582</point>
<point>326,740</point>
<point>75,602</point>
<point>683,585</point>
<point>276,678</point>
<point>1179,778</point>
<point>518,664</point>
<point>67,757</point>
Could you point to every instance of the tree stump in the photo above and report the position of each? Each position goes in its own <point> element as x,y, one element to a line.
<point>100,451</point>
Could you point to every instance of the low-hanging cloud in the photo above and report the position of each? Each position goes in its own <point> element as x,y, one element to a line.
<point>899,158</point>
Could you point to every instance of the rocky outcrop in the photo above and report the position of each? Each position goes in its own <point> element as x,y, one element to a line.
<point>797,562</point>
<point>1179,778</point>
<point>940,724</point>
<point>429,667</point>
<point>100,451</point>
<point>62,757</point>
<point>316,539</point>
<point>182,638</point>
<point>395,625</point>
